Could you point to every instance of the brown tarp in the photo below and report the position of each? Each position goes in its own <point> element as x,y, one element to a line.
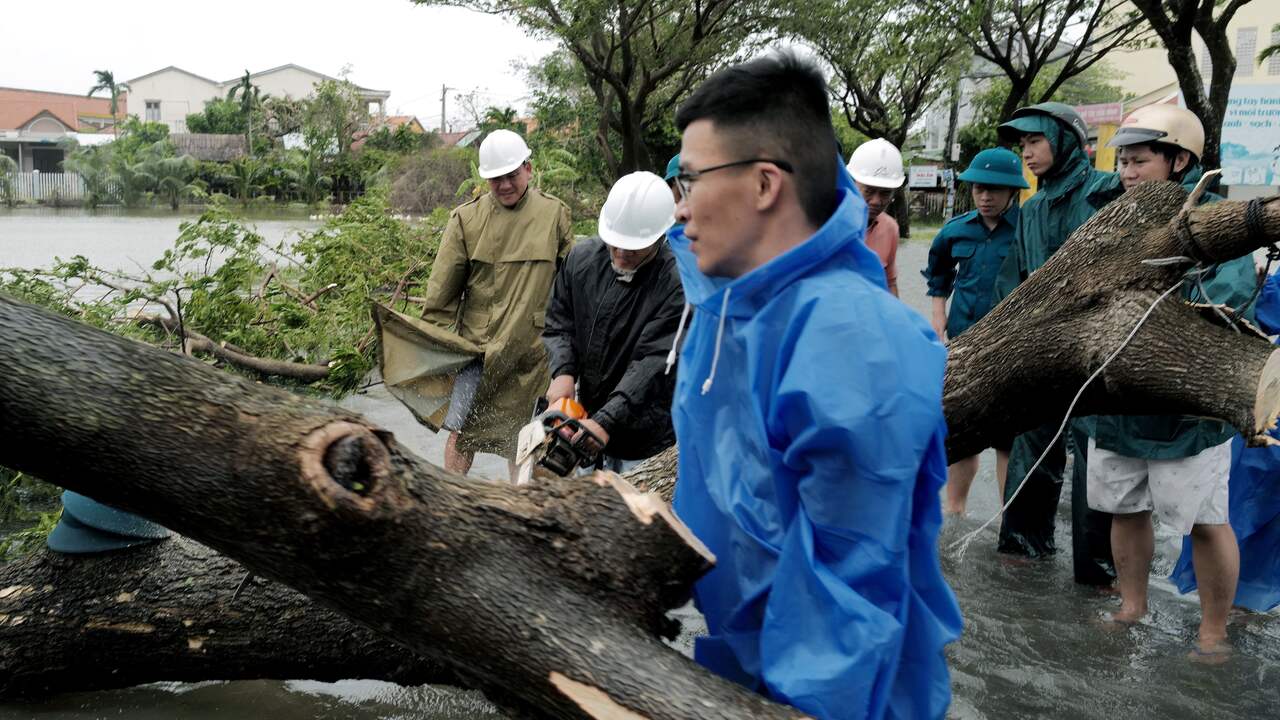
<point>419,361</point>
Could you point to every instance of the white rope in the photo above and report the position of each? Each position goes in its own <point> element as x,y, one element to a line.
<point>964,542</point>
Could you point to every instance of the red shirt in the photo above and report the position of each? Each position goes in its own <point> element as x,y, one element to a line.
<point>882,237</point>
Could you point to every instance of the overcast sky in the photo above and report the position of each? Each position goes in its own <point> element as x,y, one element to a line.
<point>389,44</point>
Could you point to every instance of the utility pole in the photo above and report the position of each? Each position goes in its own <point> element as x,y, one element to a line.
<point>444,93</point>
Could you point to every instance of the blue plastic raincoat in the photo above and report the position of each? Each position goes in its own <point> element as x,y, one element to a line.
<point>808,412</point>
<point>1253,503</point>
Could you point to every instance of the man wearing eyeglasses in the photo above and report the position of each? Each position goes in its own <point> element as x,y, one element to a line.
<point>808,412</point>
<point>490,284</point>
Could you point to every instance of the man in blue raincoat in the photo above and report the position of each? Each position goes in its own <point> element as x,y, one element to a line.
<point>1052,137</point>
<point>808,412</point>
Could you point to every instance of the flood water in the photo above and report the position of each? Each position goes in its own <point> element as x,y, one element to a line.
<point>1033,645</point>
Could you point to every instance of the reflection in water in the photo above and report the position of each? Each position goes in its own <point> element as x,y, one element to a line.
<point>1033,645</point>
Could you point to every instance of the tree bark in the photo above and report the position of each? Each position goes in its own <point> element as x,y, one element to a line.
<point>1019,367</point>
<point>553,593</point>
<point>549,596</point>
<point>170,612</point>
<point>178,611</point>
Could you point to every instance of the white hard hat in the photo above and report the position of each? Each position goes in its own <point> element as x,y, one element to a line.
<point>638,211</point>
<point>501,152</point>
<point>877,163</point>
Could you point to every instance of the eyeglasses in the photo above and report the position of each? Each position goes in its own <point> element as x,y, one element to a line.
<point>686,178</point>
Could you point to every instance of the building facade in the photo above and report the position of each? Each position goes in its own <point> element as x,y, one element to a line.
<point>170,94</point>
<point>34,124</point>
<point>1251,127</point>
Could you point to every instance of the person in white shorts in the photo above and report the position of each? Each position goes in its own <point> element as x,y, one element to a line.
<point>1190,496</point>
<point>1176,466</point>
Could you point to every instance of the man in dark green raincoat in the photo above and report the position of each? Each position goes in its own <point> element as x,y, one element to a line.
<point>1052,137</point>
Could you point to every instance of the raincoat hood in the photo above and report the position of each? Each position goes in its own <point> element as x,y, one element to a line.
<point>1068,155</point>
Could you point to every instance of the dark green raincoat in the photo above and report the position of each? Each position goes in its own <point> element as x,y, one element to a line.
<point>1069,195</point>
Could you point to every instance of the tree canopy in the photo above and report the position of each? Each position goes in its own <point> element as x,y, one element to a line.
<point>638,58</point>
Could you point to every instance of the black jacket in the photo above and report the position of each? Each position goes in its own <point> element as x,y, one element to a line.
<point>613,337</point>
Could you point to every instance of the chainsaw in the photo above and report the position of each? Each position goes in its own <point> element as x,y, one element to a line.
<point>555,443</point>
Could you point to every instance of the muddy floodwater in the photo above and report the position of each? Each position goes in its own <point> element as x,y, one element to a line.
<point>1033,646</point>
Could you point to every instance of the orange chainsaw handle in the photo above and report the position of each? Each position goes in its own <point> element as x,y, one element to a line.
<point>571,408</point>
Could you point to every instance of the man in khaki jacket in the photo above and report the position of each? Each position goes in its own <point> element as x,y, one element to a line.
<point>490,284</point>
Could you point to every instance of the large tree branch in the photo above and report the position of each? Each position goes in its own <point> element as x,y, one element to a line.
<point>571,579</point>
<point>171,612</point>
<point>197,343</point>
<point>1081,305</point>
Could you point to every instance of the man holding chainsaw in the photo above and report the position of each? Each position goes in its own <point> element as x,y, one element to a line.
<point>611,321</point>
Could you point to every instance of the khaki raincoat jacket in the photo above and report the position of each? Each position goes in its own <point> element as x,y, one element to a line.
<point>490,285</point>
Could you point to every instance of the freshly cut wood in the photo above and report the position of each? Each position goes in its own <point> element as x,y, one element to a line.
<point>503,586</point>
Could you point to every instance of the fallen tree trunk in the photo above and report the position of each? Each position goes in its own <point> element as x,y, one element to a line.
<point>170,612</point>
<point>552,593</point>
<point>178,611</point>
<point>1020,366</point>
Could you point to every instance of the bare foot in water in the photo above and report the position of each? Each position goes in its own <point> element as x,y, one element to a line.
<point>1121,619</point>
<point>1214,652</point>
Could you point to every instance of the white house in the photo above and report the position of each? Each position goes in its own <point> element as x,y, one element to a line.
<point>170,94</point>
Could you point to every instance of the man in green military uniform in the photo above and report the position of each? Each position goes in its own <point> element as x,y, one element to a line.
<point>1175,465</point>
<point>964,260</point>
<point>1052,137</point>
<point>490,284</point>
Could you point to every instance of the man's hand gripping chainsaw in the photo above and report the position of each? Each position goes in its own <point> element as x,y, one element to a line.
<point>555,443</point>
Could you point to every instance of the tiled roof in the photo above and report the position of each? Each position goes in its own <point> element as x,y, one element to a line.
<point>17,107</point>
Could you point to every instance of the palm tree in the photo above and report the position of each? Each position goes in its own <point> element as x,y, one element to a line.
<point>496,118</point>
<point>171,177</point>
<point>305,171</point>
<point>247,176</point>
<point>93,165</point>
<point>250,97</point>
<point>107,81</point>
<point>1266,53</point>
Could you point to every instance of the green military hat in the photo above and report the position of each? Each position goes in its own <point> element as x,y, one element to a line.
<point>995,166</point>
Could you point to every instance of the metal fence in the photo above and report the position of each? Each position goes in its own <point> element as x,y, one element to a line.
<point>47,187</point>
